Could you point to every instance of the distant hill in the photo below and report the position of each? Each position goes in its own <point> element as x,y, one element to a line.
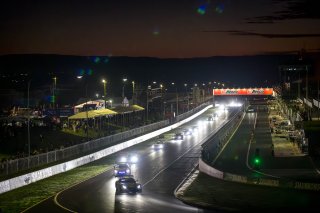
<point>244,71</point>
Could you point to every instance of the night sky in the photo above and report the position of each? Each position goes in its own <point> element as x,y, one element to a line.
<point>159,28</point>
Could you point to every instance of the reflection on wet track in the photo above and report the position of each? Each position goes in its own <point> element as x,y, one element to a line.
<point>159,171</point>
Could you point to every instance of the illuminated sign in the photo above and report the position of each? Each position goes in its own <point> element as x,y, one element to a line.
<point>250,91</point>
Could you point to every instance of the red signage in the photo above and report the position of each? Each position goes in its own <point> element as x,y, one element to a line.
<point>251,91</point>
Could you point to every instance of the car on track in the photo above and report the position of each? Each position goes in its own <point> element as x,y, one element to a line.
<point>127,184</point>
<point>186,132</point>
<point>121,169</point>
<point>210,118</point>
<point>194,129</point>
<point>250,109</point>
<point>215,116</point>
<point>129,158</point>
<point>158,145</point>
<point>178,136</point>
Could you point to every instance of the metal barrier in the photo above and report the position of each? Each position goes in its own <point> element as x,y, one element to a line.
<point>17,165</point>
<point>212,147</point>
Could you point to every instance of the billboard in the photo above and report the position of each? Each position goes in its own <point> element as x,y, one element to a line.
<point>244,91</point>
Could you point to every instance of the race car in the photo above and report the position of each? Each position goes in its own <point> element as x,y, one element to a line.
<point>178,136</point>
<point>213,117</point>
<point>187,132</point>
<point>158,145</point>
<point>194,129</point>
<point>127,184</point>
<point>121,169</point>
<point>130,158</point>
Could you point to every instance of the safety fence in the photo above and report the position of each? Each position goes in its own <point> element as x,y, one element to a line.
<point>13,166</point>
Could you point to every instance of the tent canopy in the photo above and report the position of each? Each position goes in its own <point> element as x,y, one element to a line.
<point>92,114</point>
<point>127,109</point>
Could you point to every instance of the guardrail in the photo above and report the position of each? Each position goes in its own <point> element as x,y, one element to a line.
<point>212,147</point>
<point>26,179</point>
<point>207,169</point>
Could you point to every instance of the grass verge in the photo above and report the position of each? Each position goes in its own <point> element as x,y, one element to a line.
<point>24,197</point>
<point>212,193</point>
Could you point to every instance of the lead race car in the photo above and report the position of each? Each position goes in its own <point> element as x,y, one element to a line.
<point>121,169</point>
<point>127,184</point>
<point>130,158</point>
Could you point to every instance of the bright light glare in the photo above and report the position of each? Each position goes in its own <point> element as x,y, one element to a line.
<point>234,104</point>
<point>134,159</point>
<point>200,123</point>
<point>221,107</point>
<point>123,159</point>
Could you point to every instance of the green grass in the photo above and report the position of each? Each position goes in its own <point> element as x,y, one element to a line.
<point>210,192</point>
<point>19,199</point>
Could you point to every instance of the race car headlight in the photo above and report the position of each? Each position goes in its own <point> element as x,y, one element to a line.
<point>134,159</point>
<point>123,159</point>
<point>127,170</point>
<point>139,186</point>
<point>124,187</point>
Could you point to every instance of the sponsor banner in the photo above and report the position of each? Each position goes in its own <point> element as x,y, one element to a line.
<point>244,91</point>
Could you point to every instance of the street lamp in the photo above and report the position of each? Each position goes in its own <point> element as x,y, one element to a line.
<point>53,90</point>
<point>177,98</point>
<point>87,116</point>
<point>185,85</point>
<point>163,102</point>
<point>133,92</point>
<point>105,92</point>
<point>124,80</point>
<point>29,82</point>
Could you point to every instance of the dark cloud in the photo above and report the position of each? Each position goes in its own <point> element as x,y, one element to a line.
<point>265,35</point>
<point>291,9</point>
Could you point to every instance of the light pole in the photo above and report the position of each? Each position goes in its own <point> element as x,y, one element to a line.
<point>177,98</point>
<point>28,104</point>
<point>87,116</point>
<point>124,80</point>
<point>53,91</point>
<point>133,92</point>
<point>149,87</point>
<point>163,101</point>
<point>185,85</point>
<point>105,92</point>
